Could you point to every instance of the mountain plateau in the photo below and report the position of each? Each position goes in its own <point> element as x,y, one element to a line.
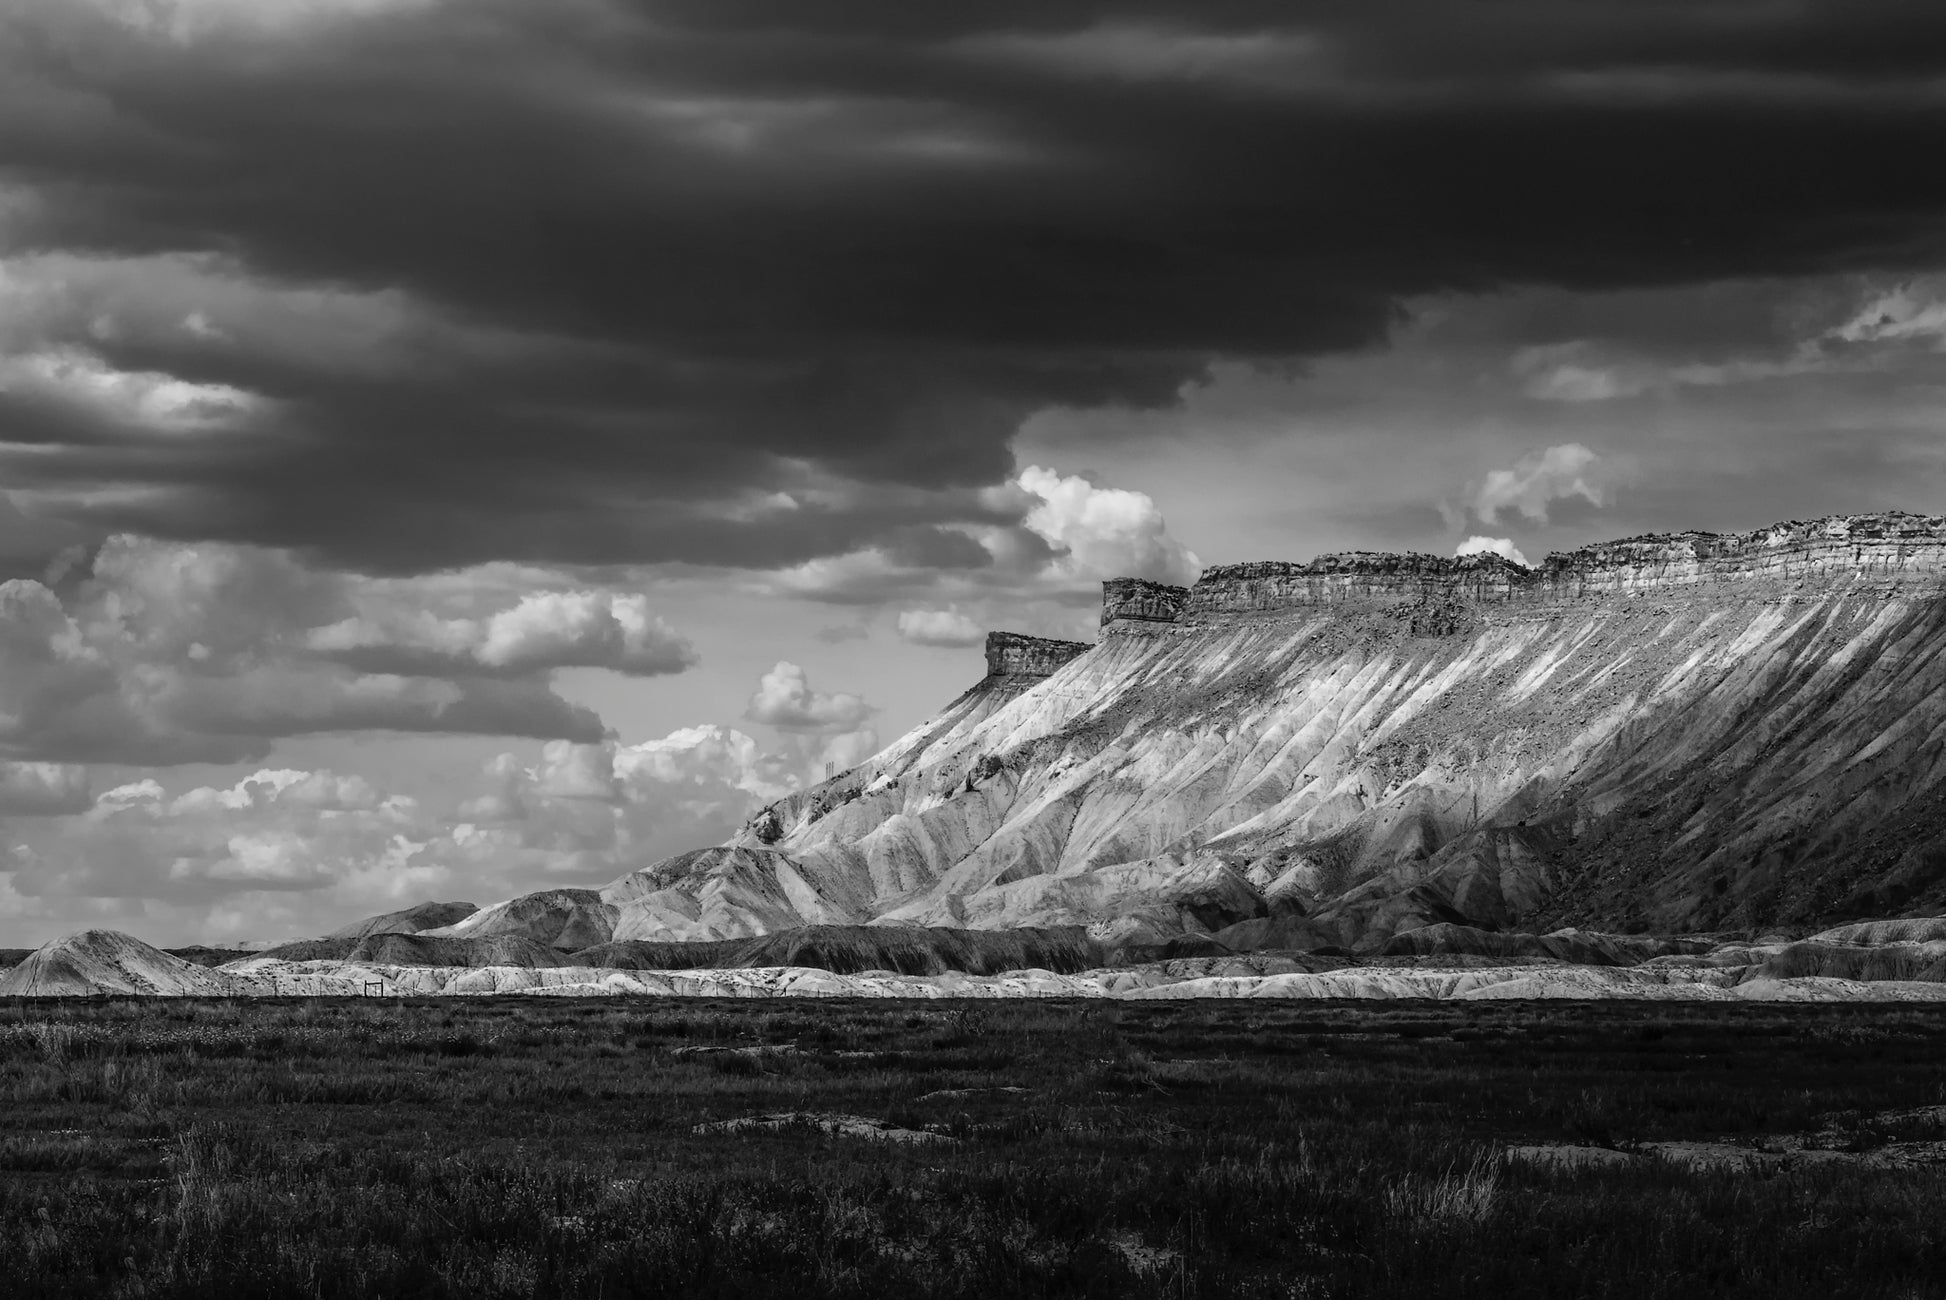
<point>1690,732</point>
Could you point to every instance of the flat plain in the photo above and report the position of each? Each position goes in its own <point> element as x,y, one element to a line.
<point>524,1147</point>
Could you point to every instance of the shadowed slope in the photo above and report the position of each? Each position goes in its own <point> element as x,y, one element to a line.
<point>434,950</point>
<point>560,918</point>
<point>411,920</point>
<point>850,949</point>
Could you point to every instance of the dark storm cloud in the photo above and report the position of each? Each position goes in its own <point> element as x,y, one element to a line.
<point>665,264</point>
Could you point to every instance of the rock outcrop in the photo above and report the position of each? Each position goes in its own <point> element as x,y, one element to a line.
<point>1354,576</point>
<point>1010,654</point>
<point>1130,602</point>
<point>1893,551</point>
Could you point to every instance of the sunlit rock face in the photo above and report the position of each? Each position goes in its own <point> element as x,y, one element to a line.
<point>1010,654</point>
<point>1676,733</point>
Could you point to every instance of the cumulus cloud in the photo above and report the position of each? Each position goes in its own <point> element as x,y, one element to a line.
<point>939,627</point>
<point>43,789</point>
<point>843,751</point>
<point>702,764</point>
<point>143,398</point>
<point>1503,546</point>
<point>168,652</point>
<point>544,631</point>
<point>588,813</point>
<point>1104,532</point>
<point>785,699</point>
<point>275,830</point>
<point>285,852</point>
<point>1540,478</point>
<point>1035,566</point>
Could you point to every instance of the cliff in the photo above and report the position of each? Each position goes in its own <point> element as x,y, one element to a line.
<point>1010,654</point>
<point>1688,732</point>
<point>1893,549</point>
<point>1126,601</point>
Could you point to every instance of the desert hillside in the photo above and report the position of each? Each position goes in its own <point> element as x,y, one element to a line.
<point>1681,733</point>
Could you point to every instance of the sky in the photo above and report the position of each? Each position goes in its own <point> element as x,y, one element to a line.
<point>452,448</point>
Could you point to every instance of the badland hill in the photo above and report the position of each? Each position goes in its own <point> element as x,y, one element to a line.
<point>1677,733</point>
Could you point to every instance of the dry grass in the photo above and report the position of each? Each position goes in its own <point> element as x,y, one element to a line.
<point>527,1148</point>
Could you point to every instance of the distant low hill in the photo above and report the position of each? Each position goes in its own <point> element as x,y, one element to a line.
<point>1446,965</point>
<point>107,961</point>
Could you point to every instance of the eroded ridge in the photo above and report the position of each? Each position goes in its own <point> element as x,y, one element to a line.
<point>1891,548</point>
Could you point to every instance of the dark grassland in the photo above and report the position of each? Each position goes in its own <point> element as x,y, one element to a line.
<point>533,1147</point>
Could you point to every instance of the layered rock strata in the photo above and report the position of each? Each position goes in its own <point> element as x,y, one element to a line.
<point>1011,654</point>
<point>1127,602</point>
<point>1892,550</point>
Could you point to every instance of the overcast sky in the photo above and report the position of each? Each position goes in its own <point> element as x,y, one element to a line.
<point>456,447</point>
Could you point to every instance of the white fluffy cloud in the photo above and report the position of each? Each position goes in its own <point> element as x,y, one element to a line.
<point>285,853</point>
<point>546,630</point>
<point>1535,481</point>
<point>1039,574</point>
<point>587,813</point>
<point>1478,545</point>
<point>785,699</point>
<point>939,627</point>
<point>275,831</point>
<point>1104,532</point>
<point>168,652</point>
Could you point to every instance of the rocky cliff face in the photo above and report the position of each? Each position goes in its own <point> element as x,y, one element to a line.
<point>1895,550</point>
<point>1351,576</point>
<point>1130,601</point>
<point>1010,654</point>
<point>1678,733</point>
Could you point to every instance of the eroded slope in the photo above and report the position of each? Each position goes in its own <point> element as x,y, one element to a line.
<point>1676,733</point>
<point>1672,734</point>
